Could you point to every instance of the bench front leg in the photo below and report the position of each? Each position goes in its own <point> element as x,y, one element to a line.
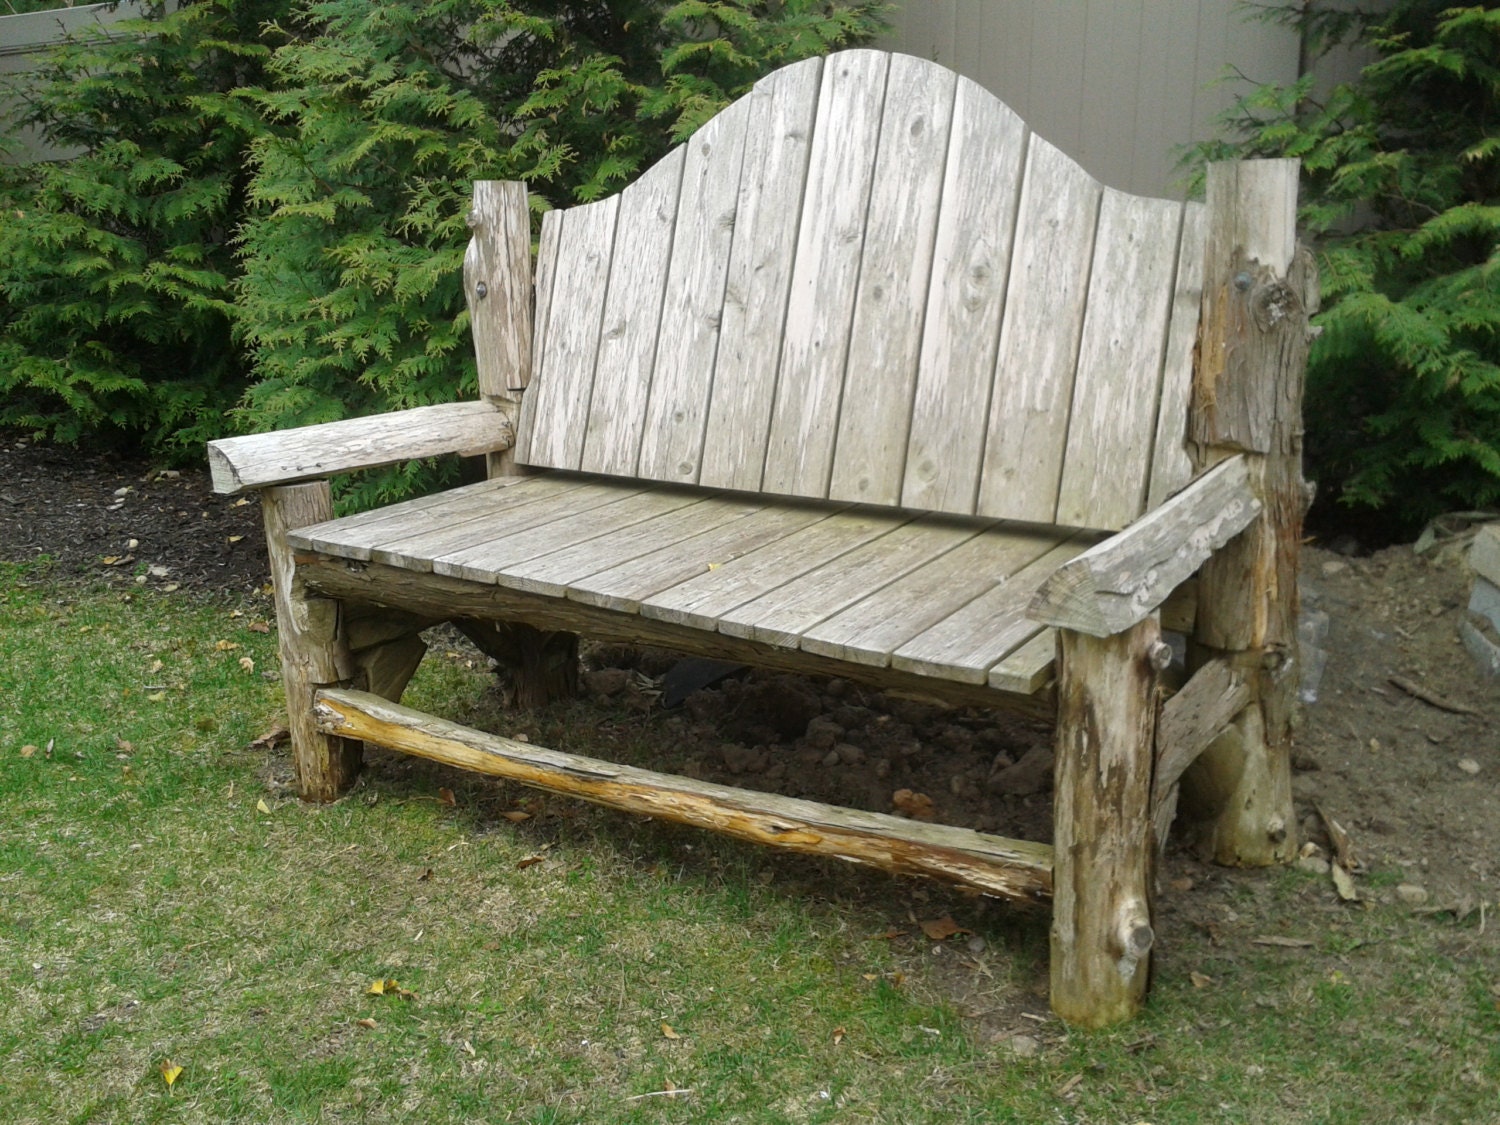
<point>1103,853</point>
<point>314,650</point>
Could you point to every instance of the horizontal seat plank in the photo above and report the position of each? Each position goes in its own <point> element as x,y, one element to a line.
<point>238,464</point>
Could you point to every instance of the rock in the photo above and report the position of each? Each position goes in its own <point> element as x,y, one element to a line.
<point>837,688</point>
<point>1412,894</point>
<point>883,768</point>
<point>831,759</point>
<point>1334,566</point>
<point>849,754</point>
<point>607,681</point>
<point>975,945</point>
<point>705,706</point>
<point>956,738</point>
<point>1032,774</point>
<point>744,759</point>
<point>1024,1046</point>
<point>851,717</point>
<point>1313,863</point>
<point>1469,766</point>
<point>823,732</point>
<point>774,709</point>
<point>910,711</point>
<point>918,806</point>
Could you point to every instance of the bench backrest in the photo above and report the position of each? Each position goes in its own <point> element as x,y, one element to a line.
<point>867,280</point>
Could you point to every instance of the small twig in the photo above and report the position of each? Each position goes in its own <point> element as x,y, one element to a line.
<point>1431,697</point>
<point>659,1094</point>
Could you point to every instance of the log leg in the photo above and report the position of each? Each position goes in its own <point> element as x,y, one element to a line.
<point>542,664</point>
<point>313,650</point>
<point>1102,840</point>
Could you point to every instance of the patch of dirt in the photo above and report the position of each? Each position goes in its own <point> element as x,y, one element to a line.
<point>1412,780</point>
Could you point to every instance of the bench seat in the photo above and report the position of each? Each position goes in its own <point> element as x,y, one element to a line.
<point>933,595</point>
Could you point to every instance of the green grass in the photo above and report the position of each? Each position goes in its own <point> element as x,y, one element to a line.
<point>150,911</point>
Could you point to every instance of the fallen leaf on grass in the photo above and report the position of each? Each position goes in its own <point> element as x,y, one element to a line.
<point>529,861</point>
<point>225,646</point>
<point>366,1023</point>
<point>940,929</point>
<point>170,1072</point>
<point>259,627</point>
<point>261,806</point>
<point>668,1033</point>
<point>156,696</point>
<point>235,538</point>
<point>516,816</point>
<point>387,987</point>
<point>446,797</point>
<point>271,739</point>
<point>28,750</point>
<point>1343,847</point>
<point>247,664</point>
<point>1343,884</point>
<point>123,746</point>
<point>1200,980</point>
<point>838,1036</point>
<point>1282,942</point>
<point>1069,1086</point>
<point>425,876</point>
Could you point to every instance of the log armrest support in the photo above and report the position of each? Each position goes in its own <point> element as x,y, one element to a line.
<point>239,464</point>
<point>1121,581</point>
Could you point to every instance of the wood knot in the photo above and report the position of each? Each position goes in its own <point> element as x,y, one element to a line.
<point>1272,303</point>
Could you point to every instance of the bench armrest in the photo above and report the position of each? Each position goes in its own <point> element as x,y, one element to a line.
<point>1122,580</point>
<point>238,464</point>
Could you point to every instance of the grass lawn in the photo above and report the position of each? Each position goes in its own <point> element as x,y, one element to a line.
<point>164,903</point>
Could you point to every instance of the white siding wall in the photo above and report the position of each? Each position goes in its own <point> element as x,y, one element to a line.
<point>1116,84</point>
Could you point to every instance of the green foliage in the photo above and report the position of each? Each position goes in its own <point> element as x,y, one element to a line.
<point>379,116</point>
<point>115,266</point>
<point>1401,183</point>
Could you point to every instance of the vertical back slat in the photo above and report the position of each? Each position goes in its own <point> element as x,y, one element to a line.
<point>804,419</point>
<point>778,138</point>
<point>1171,466</point>
<point>1118,386</point>
<point>672,427</point>
<point>971,262</point>
<point>546,269</point>
<point>1039,336</point>
<point>894,277</point>
<point>632,318</point>
<point>497,286</point>
<point>556,406</point>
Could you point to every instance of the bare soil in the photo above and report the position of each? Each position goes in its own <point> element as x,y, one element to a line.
<point>1414,781</point>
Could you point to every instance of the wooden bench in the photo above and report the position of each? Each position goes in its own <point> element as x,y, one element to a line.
<point>865,380</point>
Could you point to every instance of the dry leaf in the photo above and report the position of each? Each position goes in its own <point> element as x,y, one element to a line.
<point>668,1033</point>
<point>918,806</point>
<point>889,935</point>
<point>529,861</point>
<point>259,627</point>
<point>838,1036</point>
<point>261,806</point>
<point>446,797</point>
<point>366,1023</point>
<point>869,976</point>
<point>247,664</point>
<point>941,929</point>
<point>1343,884</point>
<point>156,696</point>
<point>170,1072</point>
<point>272,738</point>
<point>28,750</point>
<point>123,746</point>
<point>383,986</point>
<point>1069,1086</point>
<point>425,876</point>
<point>235,538</point>
<point>156,666</point>
<point>1343,847</point>
<point>1283,942</point>
<point>516,816</point>
<point>1200,980</point>
<point>225,646</point>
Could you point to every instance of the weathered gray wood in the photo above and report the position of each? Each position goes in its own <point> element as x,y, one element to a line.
<point>546,270</point>
<point>961,335</point>
<point>1033,387</point>
<point>815,341</point>
<point>778,139</point>
<point>895,276</point>
<point>238,464</point>
<point>385,669</point>
<point>880,623</point>
<point>1191,721</point>
<point>497,286</point>
<point>1013,869</point>
<point>440,595</point>
<point>1028,669</point>
<point>1103,857</point>
<point>1171,464</point>
<point>781,616</point>
<point>354,537</point>
<point>632,318</point>
<point>1120,581</point>
<point>703,601</point>
<point>1115,393</point>
<point>626,586</point>
<point>554,412</point>
<point>569,524</point>
<point>967,643</point>
<point>556,571</point>
<point>677,410</point>
<point>314,652</point>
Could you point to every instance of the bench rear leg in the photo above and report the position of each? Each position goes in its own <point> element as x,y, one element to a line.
<point>1102,842</point>
<point>542,663</point>
<point>314,652</point>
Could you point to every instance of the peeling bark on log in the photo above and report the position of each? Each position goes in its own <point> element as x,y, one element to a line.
<point>1012,869</point>
<point>314,652</point>
<point>1103,855</point>
<point>1248,396</point>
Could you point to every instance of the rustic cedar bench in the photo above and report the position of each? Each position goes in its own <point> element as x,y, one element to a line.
<point>866,380</point>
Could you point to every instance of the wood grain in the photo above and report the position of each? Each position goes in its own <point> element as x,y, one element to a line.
<point>497,286</point>
<point>1171,463</point>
